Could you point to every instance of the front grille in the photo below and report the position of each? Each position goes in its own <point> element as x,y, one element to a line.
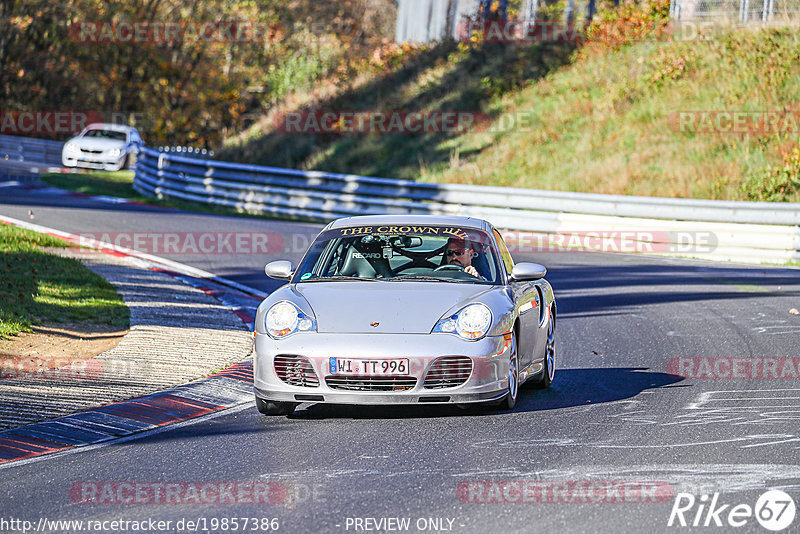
<point>87,151</point>
<point>448,372</point>
<point>296,371</point>
<point>371,383</point>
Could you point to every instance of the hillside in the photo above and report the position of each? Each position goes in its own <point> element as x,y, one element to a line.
<point>604,114</point>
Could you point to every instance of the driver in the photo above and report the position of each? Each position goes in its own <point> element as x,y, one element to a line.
<point>458,252</point>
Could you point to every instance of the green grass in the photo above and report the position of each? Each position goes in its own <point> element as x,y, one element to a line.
<point>39,287</point>
<point>113,184</point>
<point>447,77</point>
<point>601,118</point>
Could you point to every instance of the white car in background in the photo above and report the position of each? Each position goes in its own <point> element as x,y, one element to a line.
<point>103,146</point>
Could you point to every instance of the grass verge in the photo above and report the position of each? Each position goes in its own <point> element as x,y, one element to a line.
<point>38,286</point>
<point>113,184</point>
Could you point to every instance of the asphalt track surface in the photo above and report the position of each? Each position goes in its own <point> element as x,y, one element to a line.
<point>614,413</point>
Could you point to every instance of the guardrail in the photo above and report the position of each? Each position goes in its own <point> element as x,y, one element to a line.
<point>27,149</point>
<point>187,151</point>
<point>728,230</point>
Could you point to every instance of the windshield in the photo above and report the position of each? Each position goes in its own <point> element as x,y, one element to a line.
<point>106,134</point>
<point>400,253</point>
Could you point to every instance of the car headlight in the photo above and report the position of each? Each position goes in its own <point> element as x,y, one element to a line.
<point>71,147</point>
<point>471,322</point>
<point>285,318</point>
<point>115,152</point>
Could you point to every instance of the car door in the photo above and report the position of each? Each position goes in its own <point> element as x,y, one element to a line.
<point>542,316</point>
<point>527,304</point>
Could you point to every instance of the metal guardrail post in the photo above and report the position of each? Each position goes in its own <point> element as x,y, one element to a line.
<point>766,11</point>
<point>569,12</point>
<point>675,9</point>
<point>530,11</point>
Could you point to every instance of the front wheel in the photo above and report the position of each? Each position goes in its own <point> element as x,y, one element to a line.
<point>510,400</point>
<point>274,408</point>
<point>549,369</point>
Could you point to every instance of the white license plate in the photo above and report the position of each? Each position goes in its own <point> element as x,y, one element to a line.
<point>368,367</point>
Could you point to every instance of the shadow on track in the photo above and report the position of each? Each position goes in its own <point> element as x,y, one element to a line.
<point>571,388</point>
<point>590,290</point>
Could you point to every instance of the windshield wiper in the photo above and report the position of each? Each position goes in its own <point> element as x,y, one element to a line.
<point>340,277</point>
<point>429,279</point>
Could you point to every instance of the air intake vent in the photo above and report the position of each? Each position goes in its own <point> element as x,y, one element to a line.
<point>296,371</point>
<point>371,383</point>
<point>448,372</point>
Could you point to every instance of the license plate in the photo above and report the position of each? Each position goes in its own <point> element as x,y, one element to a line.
<point>368,367</point>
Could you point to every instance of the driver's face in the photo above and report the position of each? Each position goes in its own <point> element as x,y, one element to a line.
<point>458,255</point>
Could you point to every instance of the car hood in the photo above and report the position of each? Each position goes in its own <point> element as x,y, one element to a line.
<point>396,307</point>
<point>97,144</point>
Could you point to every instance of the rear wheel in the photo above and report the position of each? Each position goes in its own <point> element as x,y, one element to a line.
<point>274,408</point>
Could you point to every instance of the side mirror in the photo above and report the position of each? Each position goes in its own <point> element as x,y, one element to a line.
<point>279,270</point>
<point>528,271</point>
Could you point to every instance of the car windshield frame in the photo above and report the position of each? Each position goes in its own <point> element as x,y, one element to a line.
<point>397,253</point>
<point>115,137</point>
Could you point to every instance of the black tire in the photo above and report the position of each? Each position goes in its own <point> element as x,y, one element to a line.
<point>513,376</point>
<point>510,400</point>
<point>549,367</point>
<point>123,165</point>
<point>275,408</point>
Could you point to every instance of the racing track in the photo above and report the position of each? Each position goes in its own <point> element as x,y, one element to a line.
<point>613,413</point>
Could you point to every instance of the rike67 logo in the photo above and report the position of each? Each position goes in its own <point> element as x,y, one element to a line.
<point>774,510</point>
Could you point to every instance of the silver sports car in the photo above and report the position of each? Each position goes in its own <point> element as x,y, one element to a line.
<point>403,310</point>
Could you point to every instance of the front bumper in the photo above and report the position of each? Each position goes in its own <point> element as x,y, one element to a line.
<point>488,379</point>
<point>93,161</point>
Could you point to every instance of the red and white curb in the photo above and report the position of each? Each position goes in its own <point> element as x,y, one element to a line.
<point>227,389</point>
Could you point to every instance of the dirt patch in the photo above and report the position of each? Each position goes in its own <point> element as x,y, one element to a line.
<point>55,346</point>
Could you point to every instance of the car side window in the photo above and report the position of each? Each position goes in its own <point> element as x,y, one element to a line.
<point>504,253</point>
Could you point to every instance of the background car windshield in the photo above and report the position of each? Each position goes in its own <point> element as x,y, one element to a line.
<point>398,253</point>
<point>106,134</point>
